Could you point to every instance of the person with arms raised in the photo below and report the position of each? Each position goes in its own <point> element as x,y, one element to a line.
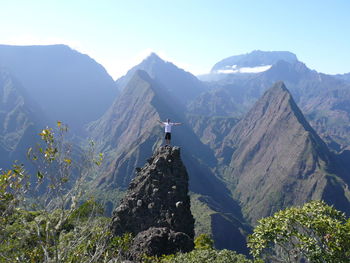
<point>167,129</point>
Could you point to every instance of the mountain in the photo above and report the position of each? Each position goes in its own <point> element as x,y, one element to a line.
<point>129,132</point>
<point>323,98</point>
<point>67,85</point>
<point>256,61</point>
<point>19,120</point>
<point>345,77</point>
<point>156,208</point>
<point>275,159</point>
<point>216,102</point>
<point>179,84</point>
<point>213,129</point>
<point>132,121</point>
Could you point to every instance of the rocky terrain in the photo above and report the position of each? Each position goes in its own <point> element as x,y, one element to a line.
<point>156,208</point>
<point>248,153</point>
<point>275,159</point>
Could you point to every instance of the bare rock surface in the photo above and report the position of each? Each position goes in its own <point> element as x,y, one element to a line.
<point>156,208</point>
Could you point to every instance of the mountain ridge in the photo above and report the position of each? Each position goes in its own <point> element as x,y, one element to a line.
<point>58,77</point>
<point>179,83</point>
<point>255,58</point>
<point>277,158</point>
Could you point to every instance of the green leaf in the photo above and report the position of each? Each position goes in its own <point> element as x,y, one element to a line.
<point>39,175</point>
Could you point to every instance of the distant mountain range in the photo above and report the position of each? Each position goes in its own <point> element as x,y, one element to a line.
<point>254,62</point>
<point>251,143</point>
<point>180,84</point>
<point>324,99</point>
<point>65,84</point>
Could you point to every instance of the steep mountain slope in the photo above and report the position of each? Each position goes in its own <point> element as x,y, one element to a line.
<point>129,133</point>
<point>275,159</point>
<point>322,98</point>
<point>179,84</point>
<point>216,102</point>
<point>19,120</point>
<point>213,129</point>
<point>68,85</point>
<point>132,121</point>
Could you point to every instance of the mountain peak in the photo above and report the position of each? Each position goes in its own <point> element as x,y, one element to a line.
<point>151,59</point>
<point>278,87</point>
<point>278,160</point>
<point>156,208</point>
<point>182,85</point>
<point>154,55</point>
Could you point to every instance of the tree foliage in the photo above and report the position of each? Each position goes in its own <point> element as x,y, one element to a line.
<point>204,252</point>
<point>314,232</point>
<point>207,256</point>
<point>47,220</point>
<point>203,241</point>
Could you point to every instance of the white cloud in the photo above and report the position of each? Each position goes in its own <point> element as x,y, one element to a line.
<point>234,69</point>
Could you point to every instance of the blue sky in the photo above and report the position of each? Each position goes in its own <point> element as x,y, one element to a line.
<point>192,34</point>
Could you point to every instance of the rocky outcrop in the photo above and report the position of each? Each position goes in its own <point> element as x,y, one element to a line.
<point>159,241</point>
<point>156,208</point>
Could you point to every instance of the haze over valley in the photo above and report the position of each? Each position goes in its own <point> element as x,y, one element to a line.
<point>253,141</point>
<point>260,136</point>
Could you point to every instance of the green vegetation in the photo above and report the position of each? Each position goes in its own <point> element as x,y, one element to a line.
<point>47,221</point>
<point>31,236</point>
<point>207,256</point>
<point>203,241</point>
<point>314,232</point>
<point>204,252</point>
<point>56,225</point>
<point>202,213</point>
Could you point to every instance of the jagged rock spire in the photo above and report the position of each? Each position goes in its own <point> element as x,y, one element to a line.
<point>157,206</point>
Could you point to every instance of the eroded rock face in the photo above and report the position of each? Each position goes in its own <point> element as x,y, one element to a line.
<point>156,208</point>
<point>159,241</point>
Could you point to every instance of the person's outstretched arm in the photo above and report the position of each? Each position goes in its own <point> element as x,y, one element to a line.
<point>160,122</point>
<point>177,123</point>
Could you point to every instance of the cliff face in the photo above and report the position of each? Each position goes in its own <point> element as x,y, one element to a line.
<point>19,120</point>
<point>156,208</point>
<point>278,160</point>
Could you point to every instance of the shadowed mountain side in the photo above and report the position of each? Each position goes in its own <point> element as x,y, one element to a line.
<point>278,159</point>
<point>216,102</point>
<point>133,120</point>
<point>70,86</point>
<point>212,130</point>
<point>330,114</point>
<point>178,83</point>
<point>129,131</point>
<point>20,120</point>
<point>322,98</point>
<point>344,77</point>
